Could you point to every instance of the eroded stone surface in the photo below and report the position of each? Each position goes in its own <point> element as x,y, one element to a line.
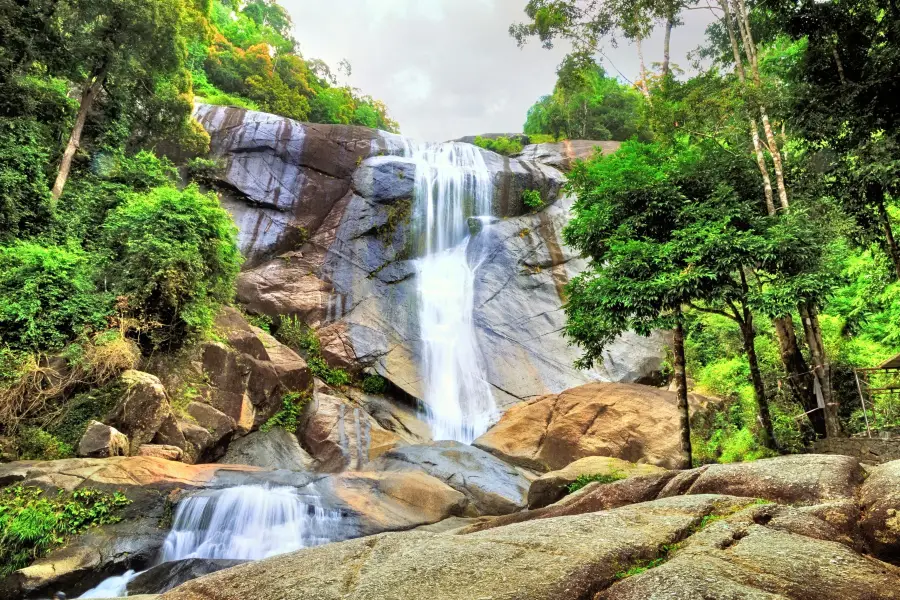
<point>550,487</point>
<point>492,486</point>
<point>880,502</point>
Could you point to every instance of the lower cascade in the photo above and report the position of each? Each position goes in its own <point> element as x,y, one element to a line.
<point>452,184</point>
<point>248,522</point>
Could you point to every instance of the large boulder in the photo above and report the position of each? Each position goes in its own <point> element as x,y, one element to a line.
<point>879,499</point>
<point>796,479</point>
<point>340,434</point>
<point>141,410</point>
<point>379,501</point>
<point>550,487</point>
<point>274,449</point>
<point>632,422</point>
<point>102,441</point>
<point>492,486</point>
<point>549,559</point>
<point>248,376</point>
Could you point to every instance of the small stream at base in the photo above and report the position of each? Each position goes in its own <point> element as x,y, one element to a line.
<point>249,522</point>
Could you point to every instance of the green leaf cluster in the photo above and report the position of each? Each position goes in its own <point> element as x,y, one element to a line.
<point>33,522</point>
<point>501,145</point>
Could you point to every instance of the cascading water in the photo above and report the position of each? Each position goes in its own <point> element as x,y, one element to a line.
<point>452,184</point>
<point>248,522</point>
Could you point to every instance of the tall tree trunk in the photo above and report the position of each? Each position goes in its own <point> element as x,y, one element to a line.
<point>670,23</point>
<point>875,192</point>
<point>840,65</point>
<point>91,89</point>
<point>645,90</point>
<point>763,169</point>
<point>800,379</point>
<point>810,316</point>
<point>681,392</point>
<point>748,333</point>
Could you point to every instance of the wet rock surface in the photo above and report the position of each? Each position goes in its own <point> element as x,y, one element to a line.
<point>273,449</point>
<point>168,575</point>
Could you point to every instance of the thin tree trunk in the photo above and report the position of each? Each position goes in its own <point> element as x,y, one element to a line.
<point>813,331</point>
<point>840,65</point>
<point>776,157</point>
<point>800,379</point>
<point>682,393</point>
<point>666,44</point>
<point>748,332</point>
<point>92,88</point>
<point>876,195</point>
<point>640,50</point>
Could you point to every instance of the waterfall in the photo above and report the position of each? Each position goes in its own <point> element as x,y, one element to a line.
<point>452,184</point>
<point>248,522</point>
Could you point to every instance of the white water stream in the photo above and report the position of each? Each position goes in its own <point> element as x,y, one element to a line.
<point>452,184</point>
<point>248,522</point>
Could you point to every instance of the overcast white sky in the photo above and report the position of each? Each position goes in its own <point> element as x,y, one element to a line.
<point>448,68</point>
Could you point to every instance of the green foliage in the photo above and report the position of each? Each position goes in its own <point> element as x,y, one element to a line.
<point>374,384</point>
<point>261,321</point>
<point>205,170</point>
<point>532,200</point>
<point>48,296</point>
<point>25,152</point>
<point>173,254</point>
<point>330,375</point>
<point>33,443</point>
<point>251,61</point>
<point>288,418</point>
<point>32,523</point>
<point>583,480</point>
<point>586,104</point>
<point>294,333</point>
<point>501,145</point>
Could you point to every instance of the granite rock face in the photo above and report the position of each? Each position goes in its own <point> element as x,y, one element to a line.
<point>327,222</point>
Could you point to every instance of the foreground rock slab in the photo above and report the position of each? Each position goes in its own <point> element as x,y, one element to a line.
<point>763,553</point>
<point>168,575</point>
<point>541,560</point>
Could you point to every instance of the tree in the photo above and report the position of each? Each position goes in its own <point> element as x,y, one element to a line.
<point>675,227</point>
<point>586,104</point>
<point>109,43</point>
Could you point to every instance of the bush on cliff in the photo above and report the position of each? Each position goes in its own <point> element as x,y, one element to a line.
<point>48,296</point>
<point>173,255</point>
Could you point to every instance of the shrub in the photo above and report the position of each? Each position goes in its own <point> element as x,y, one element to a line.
<point>296,334</point>
<point>532,199</point>
<point>261,321</point>
<point>204,170</point>
<point>374,384</point>
<point>33,443</point>
<point>173,254</point>
<point>47,296</point>
<point>583,480</point>
<point>25,204</point>
<point>501,145</point>
<point>288,418</point>
<point>32,523</point>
